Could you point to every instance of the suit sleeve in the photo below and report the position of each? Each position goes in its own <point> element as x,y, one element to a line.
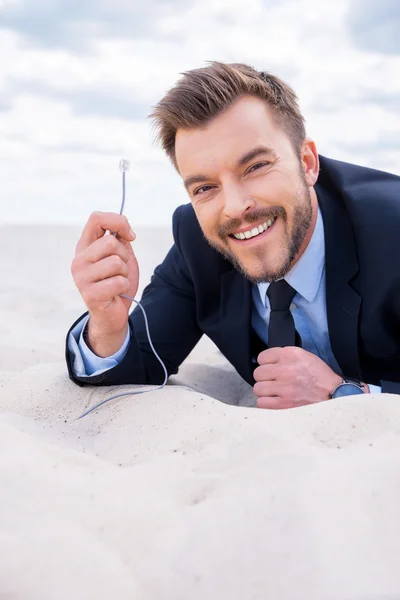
<point>170,305</point>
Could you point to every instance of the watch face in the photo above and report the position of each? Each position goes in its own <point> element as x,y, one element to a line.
<point>347,389</point>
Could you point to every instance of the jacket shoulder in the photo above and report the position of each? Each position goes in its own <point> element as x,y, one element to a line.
<point>367,193</point>
<point>185,215</point>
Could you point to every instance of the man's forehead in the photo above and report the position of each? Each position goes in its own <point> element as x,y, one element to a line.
<point>238,130</point>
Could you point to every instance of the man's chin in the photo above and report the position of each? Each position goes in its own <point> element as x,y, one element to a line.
<point>251,269</point>
<point>257,276</point>
<point>257,273</point>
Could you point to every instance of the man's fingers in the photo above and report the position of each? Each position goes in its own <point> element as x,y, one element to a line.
<point>100,222</point>
<point>271,402</point>
<point>279,402</point>
<point>106,290</point>
<point>105,246</point>
<point>269,356</point>
<point>286,354</point>
<point>267,372</point>
<point>267,388</point>
<point>103,269</point>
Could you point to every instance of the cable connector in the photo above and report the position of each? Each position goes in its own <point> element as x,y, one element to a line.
<point>124,165</point>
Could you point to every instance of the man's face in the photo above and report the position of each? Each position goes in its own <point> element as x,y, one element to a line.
<point>248,189</point>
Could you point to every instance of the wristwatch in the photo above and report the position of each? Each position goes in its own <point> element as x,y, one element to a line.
<point>348,387</point>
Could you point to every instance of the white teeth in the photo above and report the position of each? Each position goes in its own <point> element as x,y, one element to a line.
<point>243,235</point>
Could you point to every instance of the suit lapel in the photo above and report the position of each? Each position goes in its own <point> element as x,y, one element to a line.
<point>235,322</point>
<point>342,301</point>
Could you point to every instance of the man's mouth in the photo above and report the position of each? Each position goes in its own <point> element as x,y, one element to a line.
<point>253,232</point>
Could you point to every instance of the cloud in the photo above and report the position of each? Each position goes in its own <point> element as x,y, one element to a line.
<point>73,23</point>
<point>81,77</point>
<point>375,25</point>
<point>385,100</point>
<point>97,101</point>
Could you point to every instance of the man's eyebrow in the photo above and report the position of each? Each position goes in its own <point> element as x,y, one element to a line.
<point>250,155</point>
<point>194,179</point>
<point>253,154</point>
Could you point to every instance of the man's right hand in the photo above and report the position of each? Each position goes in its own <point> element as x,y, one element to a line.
<point>104,267</point>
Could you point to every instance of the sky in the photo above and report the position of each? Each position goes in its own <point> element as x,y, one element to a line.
<point>78,80</point>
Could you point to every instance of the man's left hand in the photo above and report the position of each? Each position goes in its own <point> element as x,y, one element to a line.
<point>289,377</point>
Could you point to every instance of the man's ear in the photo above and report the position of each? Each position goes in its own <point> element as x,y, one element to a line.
<point>310,161</point>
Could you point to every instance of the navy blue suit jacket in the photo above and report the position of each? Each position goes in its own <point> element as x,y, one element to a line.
<point>196,291</point>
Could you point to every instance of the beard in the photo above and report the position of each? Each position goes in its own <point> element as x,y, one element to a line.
<point>291,243</point>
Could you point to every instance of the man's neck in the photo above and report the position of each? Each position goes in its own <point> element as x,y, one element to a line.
<point>314,207</point>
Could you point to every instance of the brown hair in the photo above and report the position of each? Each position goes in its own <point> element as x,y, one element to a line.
<point>202,94</point>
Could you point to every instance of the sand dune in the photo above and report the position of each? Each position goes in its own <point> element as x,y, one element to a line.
<point>187,492</point>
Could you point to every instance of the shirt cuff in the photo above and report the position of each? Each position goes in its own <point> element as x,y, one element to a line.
<point>85,362</point>
<point>374,389</point>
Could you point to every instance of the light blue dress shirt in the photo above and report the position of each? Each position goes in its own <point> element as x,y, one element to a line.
<point>86,363</point>
<point>308,308</point>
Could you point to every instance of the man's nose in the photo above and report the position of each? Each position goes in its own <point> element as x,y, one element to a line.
<point>236,202</point>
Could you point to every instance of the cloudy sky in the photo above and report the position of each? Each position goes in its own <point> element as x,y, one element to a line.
<point>78,79</point>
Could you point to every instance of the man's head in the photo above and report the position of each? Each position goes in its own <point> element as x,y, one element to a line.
<point>237,138</point>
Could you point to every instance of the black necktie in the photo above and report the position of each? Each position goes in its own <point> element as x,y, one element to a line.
<point>281,331</point>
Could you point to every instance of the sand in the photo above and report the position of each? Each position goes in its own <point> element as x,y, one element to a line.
<point>184,493</point>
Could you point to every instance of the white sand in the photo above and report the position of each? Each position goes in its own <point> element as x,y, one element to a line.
<point>174,494</point>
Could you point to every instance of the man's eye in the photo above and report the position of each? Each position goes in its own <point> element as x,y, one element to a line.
<point>202,189</point>
<point>257,166</point>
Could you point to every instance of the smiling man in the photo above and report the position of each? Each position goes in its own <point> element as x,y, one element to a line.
<point>284,258</point>
<point>254,207</point>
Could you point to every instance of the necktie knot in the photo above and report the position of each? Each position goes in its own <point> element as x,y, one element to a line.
<point>280,295</point>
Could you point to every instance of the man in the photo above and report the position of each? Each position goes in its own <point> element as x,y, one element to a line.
<point>285,259</point>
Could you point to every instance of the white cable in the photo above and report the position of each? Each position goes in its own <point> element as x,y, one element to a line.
<point>124,166</point>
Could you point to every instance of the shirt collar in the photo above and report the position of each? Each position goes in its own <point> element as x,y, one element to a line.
<point>305,275</point>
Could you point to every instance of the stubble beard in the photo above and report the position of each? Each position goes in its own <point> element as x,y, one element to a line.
<point>302,218</point>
